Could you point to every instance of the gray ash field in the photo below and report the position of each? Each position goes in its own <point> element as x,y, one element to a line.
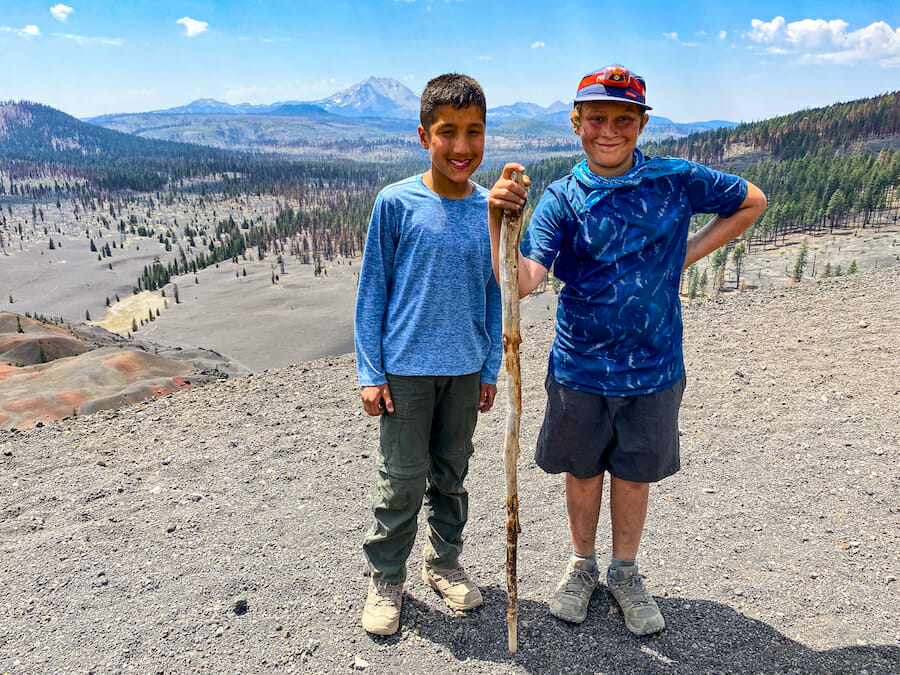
<point>219,529</point>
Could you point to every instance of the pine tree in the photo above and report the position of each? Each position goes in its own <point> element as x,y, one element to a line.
<point>801,262</point>
<point>737,257</point>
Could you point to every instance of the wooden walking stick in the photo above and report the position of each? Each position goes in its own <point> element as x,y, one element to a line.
<point>510,226</point>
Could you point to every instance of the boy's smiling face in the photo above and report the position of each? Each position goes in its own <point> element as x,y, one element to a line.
<point>456,143</point>
<point>609,131</point>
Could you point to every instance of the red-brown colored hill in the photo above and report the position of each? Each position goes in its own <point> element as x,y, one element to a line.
<point>46,373</point>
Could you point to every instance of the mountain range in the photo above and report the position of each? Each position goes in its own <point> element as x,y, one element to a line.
<point>378,111</point>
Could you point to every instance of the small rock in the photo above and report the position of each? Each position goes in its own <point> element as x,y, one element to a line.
<point>240,607</point>
<point>862,324</point>
<point>359,663</point>
<point>171,527</point>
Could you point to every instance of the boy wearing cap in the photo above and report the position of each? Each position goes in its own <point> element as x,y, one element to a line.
<point>617,230</point>
<point>427,351</point>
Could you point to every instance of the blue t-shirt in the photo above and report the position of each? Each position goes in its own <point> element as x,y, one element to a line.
<point>427,302</point>
<point>619,245</point>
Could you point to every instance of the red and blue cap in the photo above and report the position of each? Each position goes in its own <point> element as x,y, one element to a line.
<point>613,83</point>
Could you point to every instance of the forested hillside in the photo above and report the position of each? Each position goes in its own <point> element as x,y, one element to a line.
<point>800,134</point>
<point>830,167</point>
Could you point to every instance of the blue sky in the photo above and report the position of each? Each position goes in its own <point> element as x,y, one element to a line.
<point>702,60</point>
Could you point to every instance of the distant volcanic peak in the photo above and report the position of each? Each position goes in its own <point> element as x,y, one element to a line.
<point>373,97</point>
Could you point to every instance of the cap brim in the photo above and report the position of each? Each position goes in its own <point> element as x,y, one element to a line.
<point>607,97</point>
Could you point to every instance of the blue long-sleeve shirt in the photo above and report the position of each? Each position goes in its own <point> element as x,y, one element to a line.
<point>427,302</point>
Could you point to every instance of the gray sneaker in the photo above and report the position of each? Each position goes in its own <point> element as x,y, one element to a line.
<point>573,594</point>
<point>642,616</point>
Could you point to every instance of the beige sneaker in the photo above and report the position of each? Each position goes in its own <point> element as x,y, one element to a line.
<point>454,585</point>
<point>382,613</point>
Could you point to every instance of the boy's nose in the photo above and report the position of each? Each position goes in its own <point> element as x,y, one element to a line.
<point>607,128</point>
<point>460,144</point>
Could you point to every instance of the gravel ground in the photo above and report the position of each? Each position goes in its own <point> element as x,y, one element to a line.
<point>219,529</point>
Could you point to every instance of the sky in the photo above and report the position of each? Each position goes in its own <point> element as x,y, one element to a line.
<point>720,60</point>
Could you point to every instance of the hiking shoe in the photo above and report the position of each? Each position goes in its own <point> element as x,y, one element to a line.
<point>454,585</point>
<point>382,613</point>
<point>573,594</point>
<point>642,616</point>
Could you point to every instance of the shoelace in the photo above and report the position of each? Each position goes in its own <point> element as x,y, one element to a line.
<point>387,593</point>
<point>454,576</point>
<point>578,579</point>
<point>634,590</point>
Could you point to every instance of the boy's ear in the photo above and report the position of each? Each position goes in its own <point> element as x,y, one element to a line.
<point>575,119</point>
<point>423,137</point>
<point>644,119</point>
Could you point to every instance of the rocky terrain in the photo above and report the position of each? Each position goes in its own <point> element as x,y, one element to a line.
<point>218,529</point>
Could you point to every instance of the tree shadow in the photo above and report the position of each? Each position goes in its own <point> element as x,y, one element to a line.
<point>700,637</point>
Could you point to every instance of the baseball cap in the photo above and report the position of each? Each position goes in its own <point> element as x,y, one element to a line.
<point>613,83</point>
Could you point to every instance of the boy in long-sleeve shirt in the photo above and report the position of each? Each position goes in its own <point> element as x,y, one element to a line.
<point>428,350</point>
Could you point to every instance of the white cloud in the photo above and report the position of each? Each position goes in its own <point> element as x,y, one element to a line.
<point>538,44</point>
<point>723,34</point>
<point>484,58</point>
<point>674,36</point>
<point>61,12</point>
<point>192,26</point>
<point>30,31</point>
<point>84,40</point>
<point>820,41</point>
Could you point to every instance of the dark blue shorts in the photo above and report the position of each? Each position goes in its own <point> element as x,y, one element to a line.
<point>632,437</point>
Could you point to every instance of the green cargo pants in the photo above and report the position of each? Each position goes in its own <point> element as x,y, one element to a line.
<point>424,452</point>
